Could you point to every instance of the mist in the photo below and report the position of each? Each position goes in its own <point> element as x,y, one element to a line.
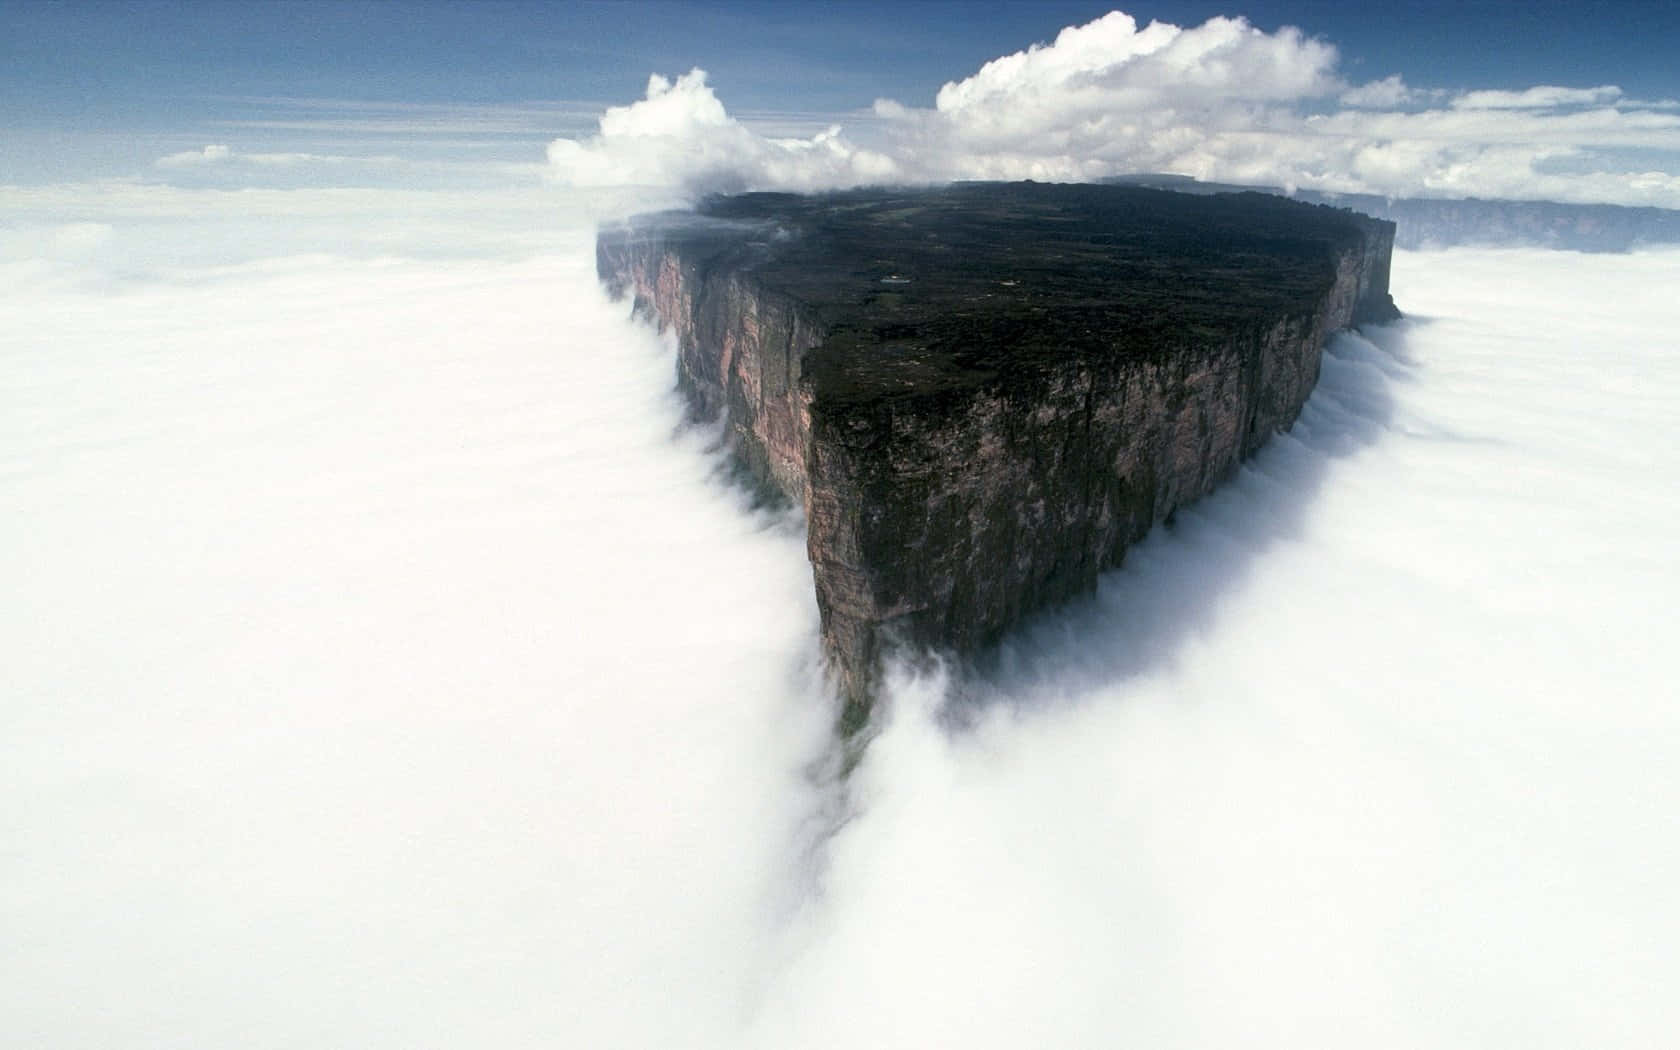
<point>392,663</point>
<point>387,665</point>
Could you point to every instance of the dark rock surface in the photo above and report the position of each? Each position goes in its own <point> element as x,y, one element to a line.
<point>982,394</point>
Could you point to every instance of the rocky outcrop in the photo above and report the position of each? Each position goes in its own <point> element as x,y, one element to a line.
<point>982,395</point>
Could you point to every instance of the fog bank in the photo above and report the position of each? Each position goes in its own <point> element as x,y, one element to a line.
<point>390,665</point>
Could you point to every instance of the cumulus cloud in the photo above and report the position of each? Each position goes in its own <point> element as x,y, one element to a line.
<point>1111,60</point>
<point>1223,100</point>
<point>1108,97</point>
<point>680,136</point>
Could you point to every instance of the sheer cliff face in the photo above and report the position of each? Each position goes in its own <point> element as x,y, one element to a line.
<point>739,351</point>
<point>946,496</point>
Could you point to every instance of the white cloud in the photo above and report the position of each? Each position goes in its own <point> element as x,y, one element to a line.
<point>680,136</point>
<point>390,121</point>
<point>1108,43</point>
<point>1386,93</point>
<point>318,614</point>
<point>213,154</point>
<point>125,228</point>
<point>1542,97</point>
<point>1111,60</point>
<point>222,156</point>
<point>1108,97</point>
<point>360,681</point>
<point>285,160</point>
<point>1222,100</point>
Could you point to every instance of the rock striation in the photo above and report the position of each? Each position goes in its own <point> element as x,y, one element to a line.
<point>981,395</point>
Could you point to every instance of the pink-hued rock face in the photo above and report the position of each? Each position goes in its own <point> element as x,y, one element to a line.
<point>938,518</point>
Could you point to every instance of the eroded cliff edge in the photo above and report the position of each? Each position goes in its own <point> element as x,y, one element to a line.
<point>983,394</point>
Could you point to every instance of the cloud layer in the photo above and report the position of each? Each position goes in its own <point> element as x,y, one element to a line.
<point>1221,101</point>
<point>359,689</point>
<point>388,668</point>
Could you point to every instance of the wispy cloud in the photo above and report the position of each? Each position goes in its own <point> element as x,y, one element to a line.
<point>213,154</point>
<point>331,116</point>
<point>1541,97</point>
<point>221,155</point>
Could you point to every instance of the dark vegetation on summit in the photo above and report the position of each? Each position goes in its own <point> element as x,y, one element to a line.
<point>922,291</point>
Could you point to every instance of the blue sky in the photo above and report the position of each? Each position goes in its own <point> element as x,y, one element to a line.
<point>106,88</point>
<point>121,63</point>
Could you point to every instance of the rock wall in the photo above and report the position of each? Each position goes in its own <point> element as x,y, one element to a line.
<point>739,349</point>
<point>939,520</point>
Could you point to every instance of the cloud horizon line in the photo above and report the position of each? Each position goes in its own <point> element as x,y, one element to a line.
<point>1222,101</point>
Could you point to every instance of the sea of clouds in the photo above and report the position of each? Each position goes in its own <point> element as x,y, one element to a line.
<point>390,663</point>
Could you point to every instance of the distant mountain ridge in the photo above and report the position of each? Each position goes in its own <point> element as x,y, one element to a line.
<point>1430,222</point>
